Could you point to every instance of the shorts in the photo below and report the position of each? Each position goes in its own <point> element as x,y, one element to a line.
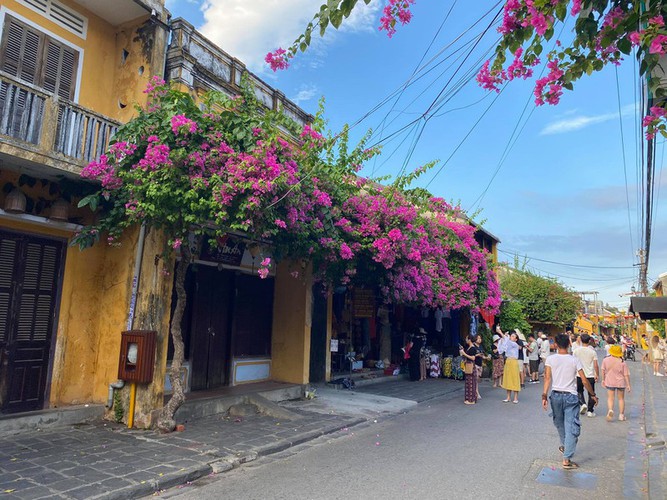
<point>616,388</point>
<point>534,365</point>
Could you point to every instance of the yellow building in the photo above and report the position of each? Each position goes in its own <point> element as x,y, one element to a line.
<point>71,74</point>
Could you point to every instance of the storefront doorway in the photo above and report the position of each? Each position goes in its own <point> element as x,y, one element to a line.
<point>30,280</point>
<point>210,327</point>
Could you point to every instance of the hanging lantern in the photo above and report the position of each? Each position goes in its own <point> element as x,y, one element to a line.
<point>60,210</point>
<point>15,202</point>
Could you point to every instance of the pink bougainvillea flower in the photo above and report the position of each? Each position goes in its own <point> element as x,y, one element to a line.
<point>278,59</point>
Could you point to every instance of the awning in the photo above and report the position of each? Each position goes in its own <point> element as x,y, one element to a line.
<point>649,307</point>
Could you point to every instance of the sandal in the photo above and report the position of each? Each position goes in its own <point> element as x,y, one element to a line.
<point>561,449</point>
<point>570,465</point>
<point>622,418</point>
<point>610,415</point>
<point>516,402</point>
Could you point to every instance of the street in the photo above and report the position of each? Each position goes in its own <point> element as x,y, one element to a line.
<point>443,449</point>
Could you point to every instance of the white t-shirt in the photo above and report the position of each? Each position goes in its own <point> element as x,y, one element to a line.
<point>545,349</point>
<point>564,368</point>
<point>587,356</point>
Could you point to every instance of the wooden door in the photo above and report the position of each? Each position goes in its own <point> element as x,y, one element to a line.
<point>30,277</point>
<point>210,328</point>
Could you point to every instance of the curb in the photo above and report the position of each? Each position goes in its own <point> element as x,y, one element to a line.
<point>654,442</point>
<point>150,487</point>
<point>270,449</point>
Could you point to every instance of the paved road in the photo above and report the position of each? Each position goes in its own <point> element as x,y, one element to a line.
<point>441,448</point>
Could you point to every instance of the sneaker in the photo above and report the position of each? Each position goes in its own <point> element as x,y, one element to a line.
<point>590,414</point>
<point>659,375</point>
<point>583,409</point>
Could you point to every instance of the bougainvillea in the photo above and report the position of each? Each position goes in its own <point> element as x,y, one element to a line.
<point>225,164</point>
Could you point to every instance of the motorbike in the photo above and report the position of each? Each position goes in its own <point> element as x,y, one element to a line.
<point>630,352</point>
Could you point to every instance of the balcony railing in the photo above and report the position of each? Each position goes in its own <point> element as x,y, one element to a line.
<point>52,125</point>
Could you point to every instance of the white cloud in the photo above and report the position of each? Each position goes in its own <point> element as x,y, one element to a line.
<point>578,122</point>
<point>249,29</point>
<point>305,93</point>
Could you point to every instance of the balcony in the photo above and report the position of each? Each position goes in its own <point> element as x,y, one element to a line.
<point>36,128</point>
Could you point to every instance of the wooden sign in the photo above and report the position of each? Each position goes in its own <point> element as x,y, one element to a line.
<point>228,250</point>
<point>363,303</point>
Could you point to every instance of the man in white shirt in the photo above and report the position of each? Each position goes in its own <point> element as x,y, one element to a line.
<point>545,350</point>
<point>589,361</point>
<point>560,374</point>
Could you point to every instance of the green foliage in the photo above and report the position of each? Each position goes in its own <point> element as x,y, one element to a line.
<point>118,410</point>
<point>543,300</point>
<point>658,325</point>
<point>512,316</point>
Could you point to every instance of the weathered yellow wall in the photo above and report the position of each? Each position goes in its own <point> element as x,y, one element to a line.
<point>292,310</point>
<point>104,79</point>
<point>153,312</point>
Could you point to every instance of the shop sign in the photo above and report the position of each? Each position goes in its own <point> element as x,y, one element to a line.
<point>334,345</point>
<point>229,250</point>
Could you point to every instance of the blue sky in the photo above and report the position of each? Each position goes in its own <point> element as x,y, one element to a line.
<point>559,192</point>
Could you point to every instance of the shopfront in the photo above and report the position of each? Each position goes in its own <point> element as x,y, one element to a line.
<point>228,319</point>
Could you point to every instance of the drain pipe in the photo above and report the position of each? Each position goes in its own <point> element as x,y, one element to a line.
<point>119,384</point>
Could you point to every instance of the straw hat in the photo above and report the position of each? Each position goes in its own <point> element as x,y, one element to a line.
<point>616,351</point>
<point>496,338</point>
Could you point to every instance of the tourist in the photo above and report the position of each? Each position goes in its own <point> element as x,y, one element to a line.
<point>545,350</point>
<point>658,355</point>
<point>469,354</point>
<point>561,376</point>
<point>498,362</point>
<point>479,361</point>
<point>589,361</point>
<point>533,359</point>
<point>616,379</point>
<point>508,346</point>
<point>521,342</point>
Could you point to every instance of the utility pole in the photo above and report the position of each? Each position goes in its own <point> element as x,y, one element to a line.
<point>643,271</point>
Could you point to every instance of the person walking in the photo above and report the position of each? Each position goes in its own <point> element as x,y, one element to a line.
<point>589,360</point>
<point>498,362</point>
<point>533,359</point>
<point>508,346</point>
<point>560,376</point>
<point>658,355</point>
<point>469,354</point>
<point>616,379</point>
<point>545,350</point>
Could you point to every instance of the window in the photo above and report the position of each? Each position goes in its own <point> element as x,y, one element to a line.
<point>36,58</point>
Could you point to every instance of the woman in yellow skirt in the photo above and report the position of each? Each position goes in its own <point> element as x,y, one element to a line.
<point>511,379</point>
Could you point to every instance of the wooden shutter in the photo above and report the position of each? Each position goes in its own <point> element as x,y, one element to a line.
<point>21,51</point>
<point>35,311</point>
<point>7,267</point>
<point>35,58</point>
<point>59,70</point>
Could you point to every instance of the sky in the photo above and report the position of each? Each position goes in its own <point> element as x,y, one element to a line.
<point>558,185</point>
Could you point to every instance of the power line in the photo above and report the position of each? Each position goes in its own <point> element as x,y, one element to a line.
<point>564,263</point>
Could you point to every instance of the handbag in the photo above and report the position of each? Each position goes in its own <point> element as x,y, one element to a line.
<point>469,368</point>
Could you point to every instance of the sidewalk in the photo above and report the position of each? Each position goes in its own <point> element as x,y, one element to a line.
<point>105,460</point>
<point>655,414</point>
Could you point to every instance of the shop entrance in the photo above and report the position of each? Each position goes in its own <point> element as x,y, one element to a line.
<point>210,327</point>
<point>30,277</point>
